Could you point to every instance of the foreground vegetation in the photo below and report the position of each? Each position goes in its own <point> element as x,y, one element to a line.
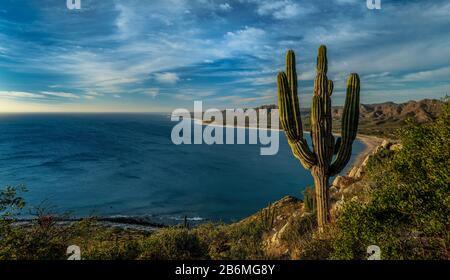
<point>408,212</point>
<point>404,209</point>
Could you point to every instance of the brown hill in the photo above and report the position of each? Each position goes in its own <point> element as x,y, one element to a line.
<point>421,111</point>
<point>383,119</point>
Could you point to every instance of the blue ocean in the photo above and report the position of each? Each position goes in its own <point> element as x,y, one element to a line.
<point>113,165</point>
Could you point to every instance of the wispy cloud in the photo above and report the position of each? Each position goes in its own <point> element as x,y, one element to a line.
<point>285,9</point>
<point>60,94</point>
<point>429,75</point>
<point>19,94</point>
<point>225,7</point>
<point>170,52</point>
<point>167,78</point>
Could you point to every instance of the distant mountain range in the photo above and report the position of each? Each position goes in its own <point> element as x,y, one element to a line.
<point>421,111</point>
<point>383,118</point>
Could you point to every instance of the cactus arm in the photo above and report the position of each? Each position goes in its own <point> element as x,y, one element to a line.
<point>291,73</point>
<point>301,151</point>
<point>328,123</point>
<point>332,143</point>
<point>322,61</point>
<point>330,87</point>
<point>337,145</point>
<point>349,124</point>
<point>321,113</point>
<point>290,125</point>
<point>317,123</point>
<point>287,111</point>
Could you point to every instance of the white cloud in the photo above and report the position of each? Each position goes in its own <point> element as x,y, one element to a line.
<point>153,92</point>
<point>167,78</point>
<point>124,20</point>
<point>244,40</point>
<point>282,9</point>
<point>338,34</point>
<point>404,94</point>
<point>146,43</point>
<point>437,11</point>
<point>3,51</point>
<point>97,72</point>
<point>40,95</point>
<point>19,94</point>
<point>258,81</point>
<point>343,2</point>
<point>308,75</point>
<point>61,94</point>
<point>93,93</point>
<point>376,75</point>
<point>225,7</point>
<point>430,75</point>
<point>232,100</point>
<point>191,95</point>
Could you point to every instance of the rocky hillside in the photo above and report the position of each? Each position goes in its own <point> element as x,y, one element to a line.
<point>290,218</point>
<point>383,119</point>
<point>422,111</point>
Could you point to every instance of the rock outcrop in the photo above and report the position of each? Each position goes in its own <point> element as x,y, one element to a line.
<point>348,186</point>
<point>287,211</point>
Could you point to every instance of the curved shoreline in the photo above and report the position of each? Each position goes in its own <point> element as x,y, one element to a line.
<point>371,142</point>
<point>139,223</point>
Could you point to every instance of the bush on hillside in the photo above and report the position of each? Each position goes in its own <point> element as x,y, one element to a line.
<point>408,214</point>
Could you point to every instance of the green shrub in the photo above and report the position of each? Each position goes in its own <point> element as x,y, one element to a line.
<point>10,201</point>
<point>245,241</point>
<point>309,198</point>
<point>32,242</point>
<point>173,244</point>
<point>100,243</point>
<point>408,213</point>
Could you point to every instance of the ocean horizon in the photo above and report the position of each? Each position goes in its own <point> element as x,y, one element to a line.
<point>125,165</point>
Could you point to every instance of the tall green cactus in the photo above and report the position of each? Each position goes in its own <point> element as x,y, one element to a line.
<point>320,159</point>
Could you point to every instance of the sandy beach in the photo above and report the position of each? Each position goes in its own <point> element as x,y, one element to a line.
<point>371,142</point>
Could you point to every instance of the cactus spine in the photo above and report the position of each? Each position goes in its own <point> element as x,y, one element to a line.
<point>319,160</point>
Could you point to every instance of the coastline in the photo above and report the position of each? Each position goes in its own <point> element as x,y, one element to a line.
<point>142,224</point>
<point>371,142</point>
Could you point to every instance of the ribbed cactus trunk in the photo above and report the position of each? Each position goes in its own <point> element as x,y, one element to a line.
<point>321,183</point>
<point>319,160</point>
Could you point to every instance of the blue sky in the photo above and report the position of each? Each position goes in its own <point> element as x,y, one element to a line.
<point>137,55</point>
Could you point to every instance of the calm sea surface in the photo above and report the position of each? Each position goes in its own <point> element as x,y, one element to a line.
<point>126,165</point>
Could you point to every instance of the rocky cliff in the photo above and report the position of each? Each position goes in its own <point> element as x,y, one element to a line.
<point>290,213</point>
